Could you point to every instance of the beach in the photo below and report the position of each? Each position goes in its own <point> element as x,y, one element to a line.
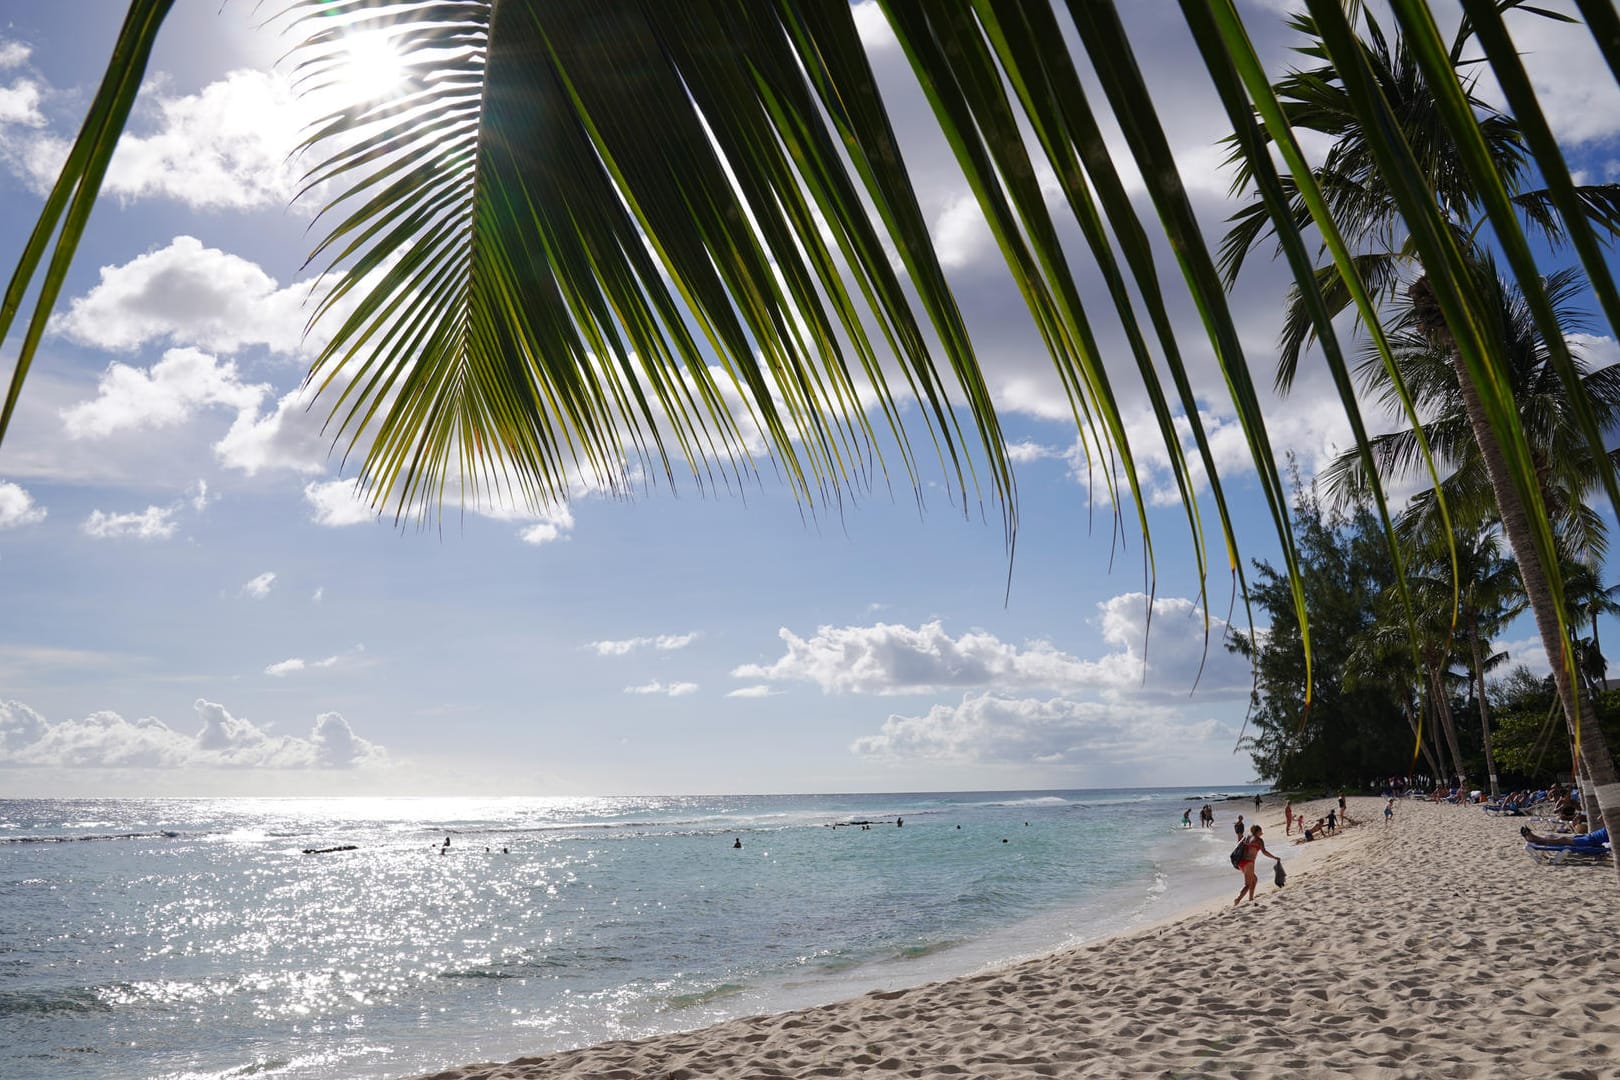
<point>1429,947</point>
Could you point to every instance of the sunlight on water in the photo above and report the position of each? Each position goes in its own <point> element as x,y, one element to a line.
<point>195,938</point>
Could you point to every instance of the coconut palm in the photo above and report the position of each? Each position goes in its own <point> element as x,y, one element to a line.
<point>1566,473</point>
<point>596,233</point>
<point>1406,228</point>
<point>1490,596</point>
<point>1585,592</point>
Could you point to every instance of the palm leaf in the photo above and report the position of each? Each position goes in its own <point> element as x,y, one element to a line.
<point>74,194</point>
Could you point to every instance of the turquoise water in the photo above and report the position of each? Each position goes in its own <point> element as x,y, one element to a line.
<point>193,938</point>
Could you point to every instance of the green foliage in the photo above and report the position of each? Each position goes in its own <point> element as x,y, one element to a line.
<point>1531,743</point>
<point>1353,728</point>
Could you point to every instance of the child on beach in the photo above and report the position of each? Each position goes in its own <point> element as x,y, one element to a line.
<point>1389,811</point>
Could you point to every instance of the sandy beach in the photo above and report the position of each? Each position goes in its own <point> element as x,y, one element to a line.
<point>1431,947</point>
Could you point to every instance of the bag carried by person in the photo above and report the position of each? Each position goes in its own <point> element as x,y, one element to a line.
<point>1279,876</point>
<point>1240,854</point>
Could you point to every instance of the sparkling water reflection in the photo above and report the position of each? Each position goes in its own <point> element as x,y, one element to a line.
<point>194,938</point>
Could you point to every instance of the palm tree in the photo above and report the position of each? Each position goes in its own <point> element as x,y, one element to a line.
<point>590,225</point>
<point>1491,596</point>
<point>1372,201</point>
<point>1585,592</point>
<point>1382,662</point>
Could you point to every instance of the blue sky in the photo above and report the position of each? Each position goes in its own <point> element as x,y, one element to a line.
<point>195,604</point>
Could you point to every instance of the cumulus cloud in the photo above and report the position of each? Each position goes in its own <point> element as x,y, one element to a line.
<point>164,395</point>
<point>259,587</point>
<point>625,646</point>
<point>288,437</point>
<point>1527,651</point>
<point>19,104</point>
<point>337,503</point>
<point>226,147</point>
<point>189,294</point>
<point>889,659</point>
<point>674,689</point>
<point>107,740</point>
<point>992,729</point>
<point>17,507</point>
<point>555,524</point>
<point>153,523</point>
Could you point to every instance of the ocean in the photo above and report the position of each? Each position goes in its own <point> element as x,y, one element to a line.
<point>186,939</point>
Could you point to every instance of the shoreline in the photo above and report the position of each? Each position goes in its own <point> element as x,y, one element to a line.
<point>1384,940</point>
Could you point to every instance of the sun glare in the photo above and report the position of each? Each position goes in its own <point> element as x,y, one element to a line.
<point>372,67</point>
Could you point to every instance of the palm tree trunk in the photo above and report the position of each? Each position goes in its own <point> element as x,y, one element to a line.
<point>1417,733</point>
<point>1442,709</point>
<point>1592,749</point>
<point>1484,712</point>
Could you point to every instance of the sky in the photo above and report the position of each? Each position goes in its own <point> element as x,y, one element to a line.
<point>194,602</point>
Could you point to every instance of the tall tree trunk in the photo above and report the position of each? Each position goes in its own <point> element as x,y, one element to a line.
<point>1592,748</point>
<point>1484,712</point>
<point>1442,710</point>
<point>1417,733</point>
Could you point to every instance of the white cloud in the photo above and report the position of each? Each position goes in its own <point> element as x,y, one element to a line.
<point>19,104</point>
<point>873,26</point>
<point>14,54</point>
<point>893,659</point>
<point>758,690</point>
<point>663,642</point>
<point>338,503</point>
<point>153,523</point>
<point>888,659</point>
<point>961,234</point>
<point>188,294</point>
<point>553,525</point>
<point>319,594</point>
<point>17,507</point>
<point>1021,453</point>
<point>991,729</point>
<point>676,689</point>
<point>297,663</point>
<point>106,740</point>
<point>1594,350</point>
<point>260,586</point>
<point>200,499</point>
<point>131,398</point>
<point>1527,651</point>
<point>1572,82</point>
<point>227,146</point>
<point>289,437</point>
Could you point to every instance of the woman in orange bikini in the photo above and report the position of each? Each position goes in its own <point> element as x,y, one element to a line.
<point>1253,848</point>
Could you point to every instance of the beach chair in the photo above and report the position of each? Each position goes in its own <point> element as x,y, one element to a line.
<point>1564,855</point>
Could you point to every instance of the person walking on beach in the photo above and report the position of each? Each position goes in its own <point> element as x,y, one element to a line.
<point>1288,817</point>
<point>1186,818</point>
<point>1237,827</point>
<point>1389,811</point>
<point>1253,848</point>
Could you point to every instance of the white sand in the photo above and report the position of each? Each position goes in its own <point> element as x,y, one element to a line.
<point>1430,948</point>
